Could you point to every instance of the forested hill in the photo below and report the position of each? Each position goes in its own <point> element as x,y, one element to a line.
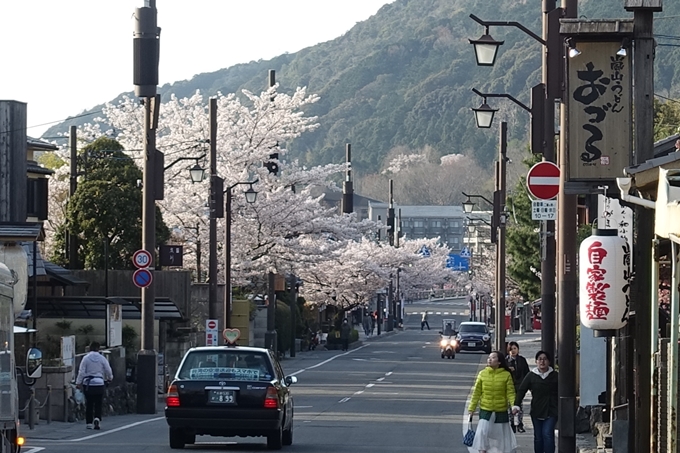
<point>404,77</point>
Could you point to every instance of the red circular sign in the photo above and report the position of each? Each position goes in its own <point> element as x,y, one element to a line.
<point>141,259</point>
<point>212,324</point>
<point>543,180</point>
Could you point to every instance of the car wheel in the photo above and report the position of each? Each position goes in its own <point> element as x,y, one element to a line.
<point>442,356</point>
<point>177,438</point>
<point>275,440</point>
<point>288,435</point>
<point>190,438</point>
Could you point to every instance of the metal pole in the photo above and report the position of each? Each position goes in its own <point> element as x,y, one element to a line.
<point>212,259</point>
<point>199,271</point>
<point>293,310</point>
<point>567,285</point>
<point>227,260</point>
<point>347,185</point>
<point>146,362</point>
<point>71,239</point>
<point>499,208</point>
<point>390,214</point>
<point>270,340</point>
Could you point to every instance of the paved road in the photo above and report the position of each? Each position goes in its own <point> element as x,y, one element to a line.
<point>392,393</point>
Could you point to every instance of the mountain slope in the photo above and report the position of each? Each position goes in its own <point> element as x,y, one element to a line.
<point>404,77</point>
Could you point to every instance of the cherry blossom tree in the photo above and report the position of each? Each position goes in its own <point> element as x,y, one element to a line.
<point>288,229</point>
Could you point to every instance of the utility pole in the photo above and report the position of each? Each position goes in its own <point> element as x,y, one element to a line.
<point>347,185</point>
<point>567,283</point>
<point>145,79</point>
<point>552,64</point>
<point>640,429</point>
<point>499,224</point>
<point>390,214</point>
<point>270,340</point>
<point>71,239</point>
<point>216,211</point>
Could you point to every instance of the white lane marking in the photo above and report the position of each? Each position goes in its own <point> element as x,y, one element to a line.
<point>369,385</point>
<point>359,392</point>
<point>387,374</point>
<point>326,361</point>
<point>379,379</point>
<point>103,433</point>
<point>439,312</point>
<point>344,400</point>
<point>27,449</point>
<point>302,407</point>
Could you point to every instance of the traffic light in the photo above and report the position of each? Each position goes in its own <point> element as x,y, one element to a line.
<point>273,164</point>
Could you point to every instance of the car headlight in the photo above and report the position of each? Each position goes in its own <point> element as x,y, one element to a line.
<point>444,342</point>
<point>486,338</point>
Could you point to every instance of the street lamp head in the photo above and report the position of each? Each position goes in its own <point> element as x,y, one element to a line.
<point>486,49</point>
<point>471,227</point>
<point>573,51</point>
<point>251,195</point>
<point>197,173</point>
<point>484,115</point>
<point>468,205</point>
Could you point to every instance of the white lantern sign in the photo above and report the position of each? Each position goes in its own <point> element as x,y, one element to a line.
<point>604,274</point>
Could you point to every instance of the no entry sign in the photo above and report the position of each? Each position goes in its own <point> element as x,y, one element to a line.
<point>543,180</point>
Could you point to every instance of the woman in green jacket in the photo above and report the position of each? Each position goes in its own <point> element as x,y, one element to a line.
<point>494,392</point>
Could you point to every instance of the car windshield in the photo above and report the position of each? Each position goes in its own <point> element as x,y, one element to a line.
<point>472,328</point>
<point>230,365</point>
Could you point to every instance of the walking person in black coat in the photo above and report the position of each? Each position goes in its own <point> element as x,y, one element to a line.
<point>519,368</point>
<point>542,382</point>
<point>345,330</point>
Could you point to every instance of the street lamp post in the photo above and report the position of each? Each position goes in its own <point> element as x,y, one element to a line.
<point>251,196</point>
<point>498,234</point>
<point>542,131</point>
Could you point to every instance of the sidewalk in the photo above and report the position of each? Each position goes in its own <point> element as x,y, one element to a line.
<point>62,431</point>
<point>529,345</point>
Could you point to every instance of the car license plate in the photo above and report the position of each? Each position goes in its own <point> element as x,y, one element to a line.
<point>221,397</point>
<point>471,344</point>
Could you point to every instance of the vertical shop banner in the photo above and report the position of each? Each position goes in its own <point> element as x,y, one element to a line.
<point>600,109</point>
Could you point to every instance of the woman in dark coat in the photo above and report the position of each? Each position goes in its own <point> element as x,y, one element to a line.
<point>542,382</point>
<point>519,368</point>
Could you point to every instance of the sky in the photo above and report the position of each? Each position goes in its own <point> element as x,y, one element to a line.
<point>64,57</point>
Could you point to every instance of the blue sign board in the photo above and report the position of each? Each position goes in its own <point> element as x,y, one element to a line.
<point>466,252</point>
<point>457,262</point>
<point>425,251</point>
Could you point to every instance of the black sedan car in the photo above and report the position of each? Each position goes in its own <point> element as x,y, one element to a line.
<point>473,336</point>
<point>230,391</point>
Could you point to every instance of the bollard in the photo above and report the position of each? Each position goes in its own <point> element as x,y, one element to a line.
<point>31,409</point>
<point>48,403</point>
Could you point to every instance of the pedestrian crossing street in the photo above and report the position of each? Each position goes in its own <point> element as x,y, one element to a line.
<point>445,313</point>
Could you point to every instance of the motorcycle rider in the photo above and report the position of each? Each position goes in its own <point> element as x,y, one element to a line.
<point>448,330</point>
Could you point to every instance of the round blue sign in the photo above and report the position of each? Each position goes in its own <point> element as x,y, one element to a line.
<point>142,278</point>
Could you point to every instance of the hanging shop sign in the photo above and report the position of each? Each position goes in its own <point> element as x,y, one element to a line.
<point>600,109</point>
<point>604,274</point>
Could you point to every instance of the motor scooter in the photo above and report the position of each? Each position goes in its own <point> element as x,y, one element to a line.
<point>447,346</point>
<point>448,342</point>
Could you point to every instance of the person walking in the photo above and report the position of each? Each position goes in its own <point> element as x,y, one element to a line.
<point>345,330</point>
<point>542,382</point>
<point>423,322</point>
<point>93,374</point>
<point>519,368</point>
<point>494,392</point>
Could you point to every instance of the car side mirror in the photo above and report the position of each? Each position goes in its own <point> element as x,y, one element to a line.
<point>290,380</point>
<point>34,363</point>
<point>441,333</point>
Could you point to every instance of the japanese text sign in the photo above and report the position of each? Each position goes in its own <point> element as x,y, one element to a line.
<point>604,275</point>
<point>599,105</point>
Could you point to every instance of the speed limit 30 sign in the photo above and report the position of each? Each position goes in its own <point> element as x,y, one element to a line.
<point>141,259</point>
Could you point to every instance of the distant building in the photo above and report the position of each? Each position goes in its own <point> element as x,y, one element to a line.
<point>420,222</point>
<point>334,199</point>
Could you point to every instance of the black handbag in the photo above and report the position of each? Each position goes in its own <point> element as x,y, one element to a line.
<point>469,436</point>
